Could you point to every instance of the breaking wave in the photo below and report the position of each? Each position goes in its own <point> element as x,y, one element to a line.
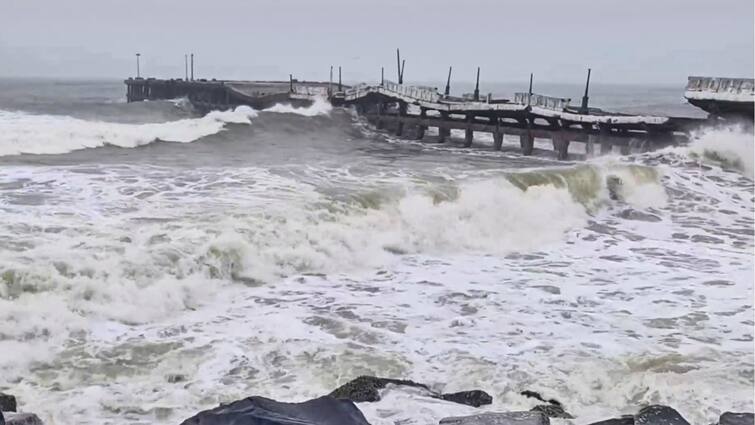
<point>139,273</point>
<point>731,147</point>
<point>50,134</point>
<point>320,106</point>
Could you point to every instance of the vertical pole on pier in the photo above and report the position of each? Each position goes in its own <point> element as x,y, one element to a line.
<point>339,79</point>
<point>138,74</point>
<point>477,86</point>
<point>447,92</point>
<point>382,76</point>
<point>398,65</point>
<point>330,82</point>
<point>186,67</point>
<point>401,78</point>
<point>529,93</point>
<point>584,109</point>
<point>291,82</point>
<point>192,67</point>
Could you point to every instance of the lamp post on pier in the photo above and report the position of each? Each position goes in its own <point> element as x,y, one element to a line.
<point>138,74</point>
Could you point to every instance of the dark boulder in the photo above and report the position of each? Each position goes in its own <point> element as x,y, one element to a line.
<point>554,408</point>
<point>7,403</point>
<point>552,411</point>
<point>731,418</point>
<point>536,395</point>
<point>659,415</point>
<point>264,411</point>
<point>22,419</point>
<point>367,388</point>
<point>474,398</point>
<point>507,418</point>
<point>624,420</point>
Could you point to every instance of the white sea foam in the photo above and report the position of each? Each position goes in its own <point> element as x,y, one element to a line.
<point>320,106</point>
<point>115,278</point>
<point>24,133</point>
<point>730,147</point>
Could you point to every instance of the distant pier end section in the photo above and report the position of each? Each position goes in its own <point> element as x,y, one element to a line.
<point>722,97</point>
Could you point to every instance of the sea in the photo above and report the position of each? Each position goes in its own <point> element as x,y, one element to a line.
<point>156,261</point>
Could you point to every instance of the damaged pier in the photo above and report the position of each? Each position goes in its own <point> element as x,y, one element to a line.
<point>411,110</point>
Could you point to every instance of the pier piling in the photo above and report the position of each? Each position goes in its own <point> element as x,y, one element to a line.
<point>468,132</point>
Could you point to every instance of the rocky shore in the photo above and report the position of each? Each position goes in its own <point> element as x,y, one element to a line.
<point>340,408</point>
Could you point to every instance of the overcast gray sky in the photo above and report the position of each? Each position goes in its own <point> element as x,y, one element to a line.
<point>632,41</point>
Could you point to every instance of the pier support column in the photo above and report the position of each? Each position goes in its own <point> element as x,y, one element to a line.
<point>443,133</point>
<point>497,140</point>
<point>527,140</point>
<point>401,114</point>
<point>380,109</point>
<point>561,145</point>
<point>606,145</point>
<point>421,127</point>
<point>590,145</point>
<point>468,133</point>
<point>497,134</point>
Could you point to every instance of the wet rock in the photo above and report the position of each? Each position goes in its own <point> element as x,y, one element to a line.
<point>731,418</point>
<point>552,411</point>
<point>22,419</point>
<point>174,378</point>
<point>367,388</point>
<point>508,418</point>
<point>536,395</point>
<point>264,411</point>
<point>475,398</point>
<point>659,415</point>
<point>631,214</point>
<point>624,420</point>
<point>614,183</point>
<point>7,403</point>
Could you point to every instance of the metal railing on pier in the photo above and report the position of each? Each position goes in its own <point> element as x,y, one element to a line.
<point>542,101</point>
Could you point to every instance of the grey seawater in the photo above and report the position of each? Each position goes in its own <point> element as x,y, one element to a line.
<point>283,253</point>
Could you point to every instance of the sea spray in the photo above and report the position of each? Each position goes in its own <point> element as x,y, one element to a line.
<point>729,147</point>
<point>25,133</point>
<point>320,106</point>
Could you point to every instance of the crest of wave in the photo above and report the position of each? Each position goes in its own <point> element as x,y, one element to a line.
<point>51,134</point>
<point>320,106</point>
<point>730,147</point>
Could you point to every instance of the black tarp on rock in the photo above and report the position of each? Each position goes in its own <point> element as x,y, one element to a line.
<point>264,411</point>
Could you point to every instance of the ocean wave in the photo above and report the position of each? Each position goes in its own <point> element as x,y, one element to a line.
<point>163,264</point>
<point>51,134</point>
<point>320,106</point>
<point>730,147</point>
